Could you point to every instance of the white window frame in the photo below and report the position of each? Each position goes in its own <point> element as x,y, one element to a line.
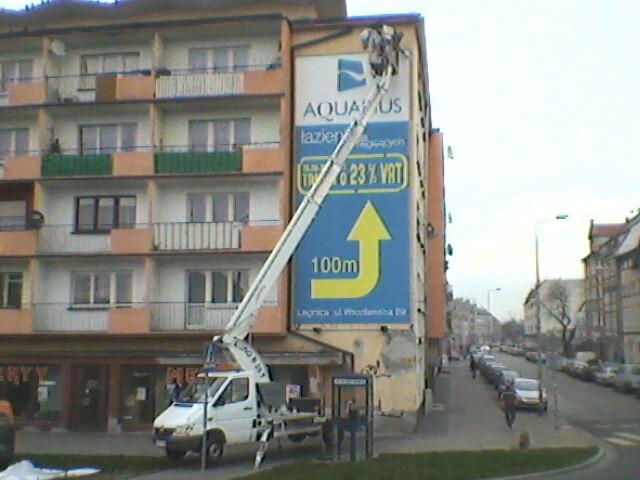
<point>208,285</point>
<point>92,282</point>
<point>88,78</point>
<point>209,206</point>
<point>16,66</point>
<point>12,149</point>
<point>229,51</point>
<point>211,144</point>
<point>5,289</point>
<point>119,137</point>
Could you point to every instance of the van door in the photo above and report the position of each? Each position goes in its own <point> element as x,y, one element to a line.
<point>235,410</point>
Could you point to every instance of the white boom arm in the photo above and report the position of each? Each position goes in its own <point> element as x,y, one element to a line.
<point>243,318</point>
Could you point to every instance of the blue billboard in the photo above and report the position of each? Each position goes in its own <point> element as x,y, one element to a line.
<point>353,264</point>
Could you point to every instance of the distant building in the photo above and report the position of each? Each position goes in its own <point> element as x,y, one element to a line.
<point>472,324</point>
<point>549,324</point>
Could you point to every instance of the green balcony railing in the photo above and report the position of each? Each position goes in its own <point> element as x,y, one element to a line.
<point>59,165</point>
<point>198,162</point>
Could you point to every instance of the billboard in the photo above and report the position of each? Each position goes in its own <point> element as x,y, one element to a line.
<point>353,264</point>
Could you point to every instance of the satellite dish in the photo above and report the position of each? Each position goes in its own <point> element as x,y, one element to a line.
<point>35,219</point>
<point>58,48</point>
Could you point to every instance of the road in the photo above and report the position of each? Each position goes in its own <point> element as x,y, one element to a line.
<point>612,417</point>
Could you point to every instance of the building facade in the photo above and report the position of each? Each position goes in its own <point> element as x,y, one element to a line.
<point>150,161</point>
<point>612,279</point>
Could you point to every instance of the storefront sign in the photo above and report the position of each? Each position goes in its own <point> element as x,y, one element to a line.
<point>182,374</point>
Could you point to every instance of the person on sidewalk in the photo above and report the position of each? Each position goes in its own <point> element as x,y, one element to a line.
<point>509,402</point>
<point>473,366</point>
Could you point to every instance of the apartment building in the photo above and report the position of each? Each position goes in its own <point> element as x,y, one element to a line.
<point>612,288</point>
<point>148,165</point>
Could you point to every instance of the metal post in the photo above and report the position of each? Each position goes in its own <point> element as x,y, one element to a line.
<point>203,452</point>
<point>556,407</point>
<point>538,321</point>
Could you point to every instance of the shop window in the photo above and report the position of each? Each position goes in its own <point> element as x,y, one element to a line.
<point>138,394</point>
<point>33,391</point>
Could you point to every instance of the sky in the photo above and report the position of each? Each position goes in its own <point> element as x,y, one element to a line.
<point>538,102</point>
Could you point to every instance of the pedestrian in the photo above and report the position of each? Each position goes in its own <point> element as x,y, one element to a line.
<point>509,402</point>
<point>174,391</point>
<point>473,366</point>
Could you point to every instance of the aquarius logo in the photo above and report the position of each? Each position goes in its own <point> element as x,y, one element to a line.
<point>350,74</point>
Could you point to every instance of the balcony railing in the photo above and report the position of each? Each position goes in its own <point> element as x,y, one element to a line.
<point>197,235</point>
<point>173,161</point>
<point>83,88</point>
<point>67,239</point>
<point>75,164</point>
<point>205,82</point>
<point>61,317</point>
<point>174,317</point>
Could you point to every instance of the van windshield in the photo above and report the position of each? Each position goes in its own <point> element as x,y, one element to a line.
<point>195,392</point>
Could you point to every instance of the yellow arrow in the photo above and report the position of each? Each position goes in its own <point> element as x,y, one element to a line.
<point>369,230</point>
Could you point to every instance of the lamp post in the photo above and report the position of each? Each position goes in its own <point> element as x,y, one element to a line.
<point>497,289</point>
<point>537,287</point>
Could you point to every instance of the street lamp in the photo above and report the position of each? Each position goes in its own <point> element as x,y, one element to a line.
<point>497,289</point>
<point>561,216</point>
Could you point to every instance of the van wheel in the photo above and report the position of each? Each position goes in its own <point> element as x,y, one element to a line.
<point>215,448</point>
<point>175,455</point>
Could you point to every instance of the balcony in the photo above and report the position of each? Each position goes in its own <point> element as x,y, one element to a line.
<point>18,242</point>
<point>198,162</point>
<point>258,79</point>
<point>112,87</point>
<point>19,167</point>
<point>33,92</point>
<point>197,236</point>
<point>61,239</point>
<point>176,317</point>
<point>64,318</point>
<point>76,165</point>
<point>15,321</point>
<point>266,157</point>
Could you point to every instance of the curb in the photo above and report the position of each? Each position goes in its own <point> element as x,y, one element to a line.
<point>558,471</point>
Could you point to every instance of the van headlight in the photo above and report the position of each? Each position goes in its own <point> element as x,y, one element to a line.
<point>185,429</point>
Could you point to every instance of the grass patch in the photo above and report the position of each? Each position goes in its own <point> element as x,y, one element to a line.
<point>114,467</point>
<point>465,465</point>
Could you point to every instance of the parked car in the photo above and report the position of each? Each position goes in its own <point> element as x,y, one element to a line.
<point>628,378</point>
<point>506,377</point>
<point>529,394</point>
<point>493,374</point>
<point>589,374</point>
<point>577,368</point>
<point>606,376</point>
<point>7,434</point>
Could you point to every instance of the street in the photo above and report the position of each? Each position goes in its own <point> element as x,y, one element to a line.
<point>612,417</point>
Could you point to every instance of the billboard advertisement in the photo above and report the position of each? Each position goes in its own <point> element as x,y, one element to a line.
<point>353,264</point>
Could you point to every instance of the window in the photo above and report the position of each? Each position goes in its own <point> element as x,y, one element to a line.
<point>13,215</point>
<point>102,139</point>
<point>101,214</point>
<point>15,71</point>
<point>217,287</point>
<point>219,135</point>
<point>102,288</point>
<point>92,66</point>
<point>13,142</point>
<point>225,59</point>
<point>10,289</point>
<point>218,207</point>
<point>236,391</point>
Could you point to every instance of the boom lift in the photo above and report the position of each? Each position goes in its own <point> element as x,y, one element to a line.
<point>178,430</point>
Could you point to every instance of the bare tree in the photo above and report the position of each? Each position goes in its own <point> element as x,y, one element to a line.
<point>557,303</point>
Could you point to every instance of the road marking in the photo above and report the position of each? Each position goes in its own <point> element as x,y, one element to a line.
<point>621,442</point>
<point>630,436</point>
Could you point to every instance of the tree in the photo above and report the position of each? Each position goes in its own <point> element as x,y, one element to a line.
<point>557,303</point>
<point>512,332</point>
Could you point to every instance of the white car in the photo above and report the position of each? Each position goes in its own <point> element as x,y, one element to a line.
<point>528,394</point>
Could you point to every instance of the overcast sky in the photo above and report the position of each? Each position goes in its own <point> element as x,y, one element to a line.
<point>539,102</point>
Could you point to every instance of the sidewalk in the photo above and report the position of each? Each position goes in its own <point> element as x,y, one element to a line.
<point>466,417</point>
